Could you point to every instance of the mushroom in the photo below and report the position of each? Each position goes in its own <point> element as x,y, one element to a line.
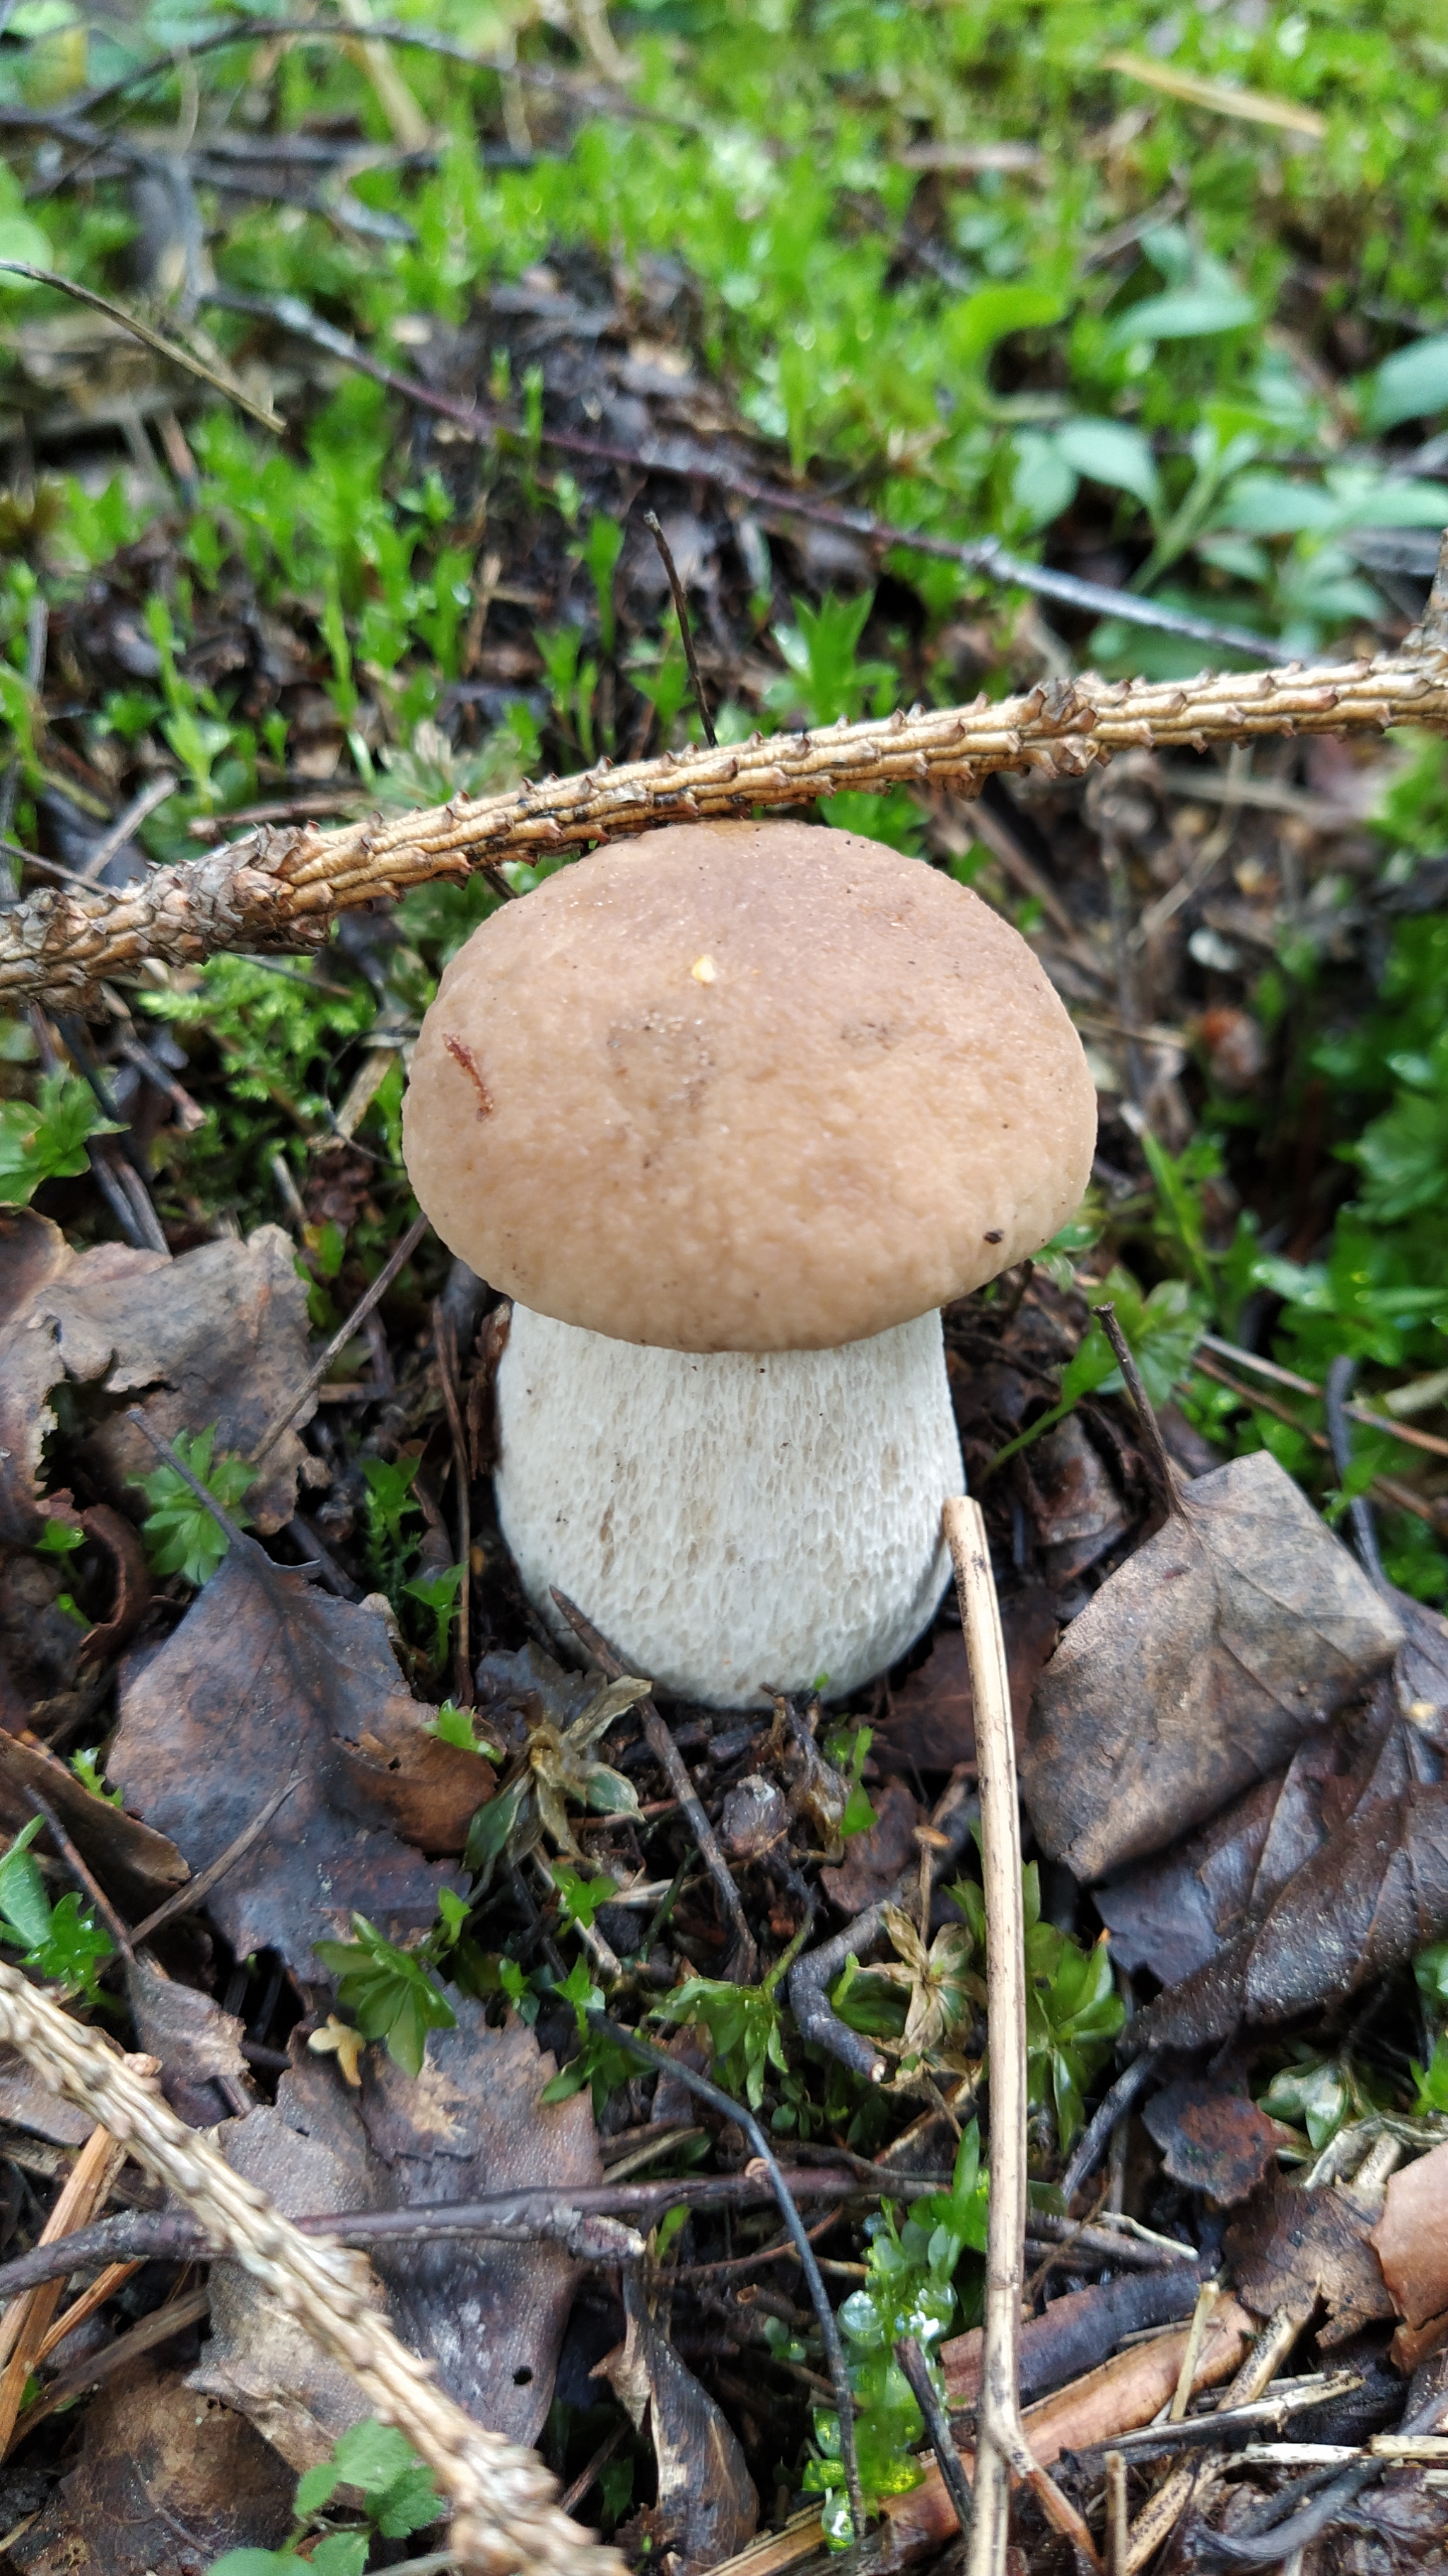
<point>730,1111</point>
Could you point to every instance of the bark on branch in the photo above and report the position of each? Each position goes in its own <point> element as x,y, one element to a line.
<point>280,889</point>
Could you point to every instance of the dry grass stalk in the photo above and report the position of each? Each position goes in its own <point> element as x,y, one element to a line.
<point>281,888</point>
<point>1001,2447</point>
<point>501,2496</point>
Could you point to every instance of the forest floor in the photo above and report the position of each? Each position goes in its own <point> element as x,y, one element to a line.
<point>1158,306</point>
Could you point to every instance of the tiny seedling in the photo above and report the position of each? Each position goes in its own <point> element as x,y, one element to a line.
<point>180,1535</point>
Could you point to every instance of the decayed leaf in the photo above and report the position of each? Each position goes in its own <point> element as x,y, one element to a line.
<point>707,2505</point>
<point>165,2483</point>
<point>266,1675</point>
<point>1374,1892</point>
<point>931,1721</point>
<point>1174,1914</point>
<point>874,1859</point>
<point>138,1866</point>
<point>942,1995</point>
<point>1213,2138</point>
<point>203,2073</point>
<point>1292,2247</point>
<point>492,2316</point>
<point>1197,1668</point>
<point>1411,2238</point>
<point>217,1336</point>
<point>1077,1510</point>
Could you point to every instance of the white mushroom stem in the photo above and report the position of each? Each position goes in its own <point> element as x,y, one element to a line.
<point>731,1521</point>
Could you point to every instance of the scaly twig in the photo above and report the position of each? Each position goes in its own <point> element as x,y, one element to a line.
<point>278,889</point>
<point>501,2496</point>
<point>1001,2447</point>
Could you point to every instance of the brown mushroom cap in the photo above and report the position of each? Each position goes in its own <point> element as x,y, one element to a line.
<point>748,1087</point>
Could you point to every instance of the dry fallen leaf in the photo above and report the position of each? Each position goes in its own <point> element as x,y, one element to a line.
<point>1198,1667</point>
<point>1077,1510</point>
<point>1411,2238</point>
<point>137,1866</point>
<point>491,2316</point>
<point>196,2044</point>
<point>707,2506</point>
<point>931,1721</point>
<point>874,1859</point>
<point>217,1336</point>
<point>264,1676</point>
<point>1214,2139</point>
<point>1374,1892</point>
<point>1291,2248</point>
<point>165,2482</point>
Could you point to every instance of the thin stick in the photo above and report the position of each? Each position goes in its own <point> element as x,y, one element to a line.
<point>397,1260</point>
<point>188,1899</point>
<point>1163,1472</point>
<point>126,824</point>
<point>1160,2517</point>
<point>1388,1422</point>
<point>686,635</point>
<point>1094,2138</point>
<point>719,2100</point>
<point>279,889</point>
<point>164,348</point>
<point>1117,2521</point>
<point>916,2372</point>
<point>1001,2441</point>
<point>744,1958</point>
<point>85,1878</point>
<point>1187,2375</point>
<point>447,1368</point>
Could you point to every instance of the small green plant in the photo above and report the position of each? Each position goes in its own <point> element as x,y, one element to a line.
<point>1323,2094</point>
<point>47,1142</point>
<point>910,2290</point>
<point>397,2497</point>
<point>460,1726</point>
<point>1073,2011</point>
<point>600,2062</point>
<point>847,1749</point>
<point>745,2027</point>
<point>438,1594</point>
<point>180,1535</point>
<point>88,1772</point>
<point>560,1767</point>
<point>63,1943</point>
<point>1161,1331</point>
<point>389,1504</point>
<point>579,1898</point>
<point>389,1991</point>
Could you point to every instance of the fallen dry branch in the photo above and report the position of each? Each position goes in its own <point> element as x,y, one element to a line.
<point>281,888</point>
<point>504,2516</point>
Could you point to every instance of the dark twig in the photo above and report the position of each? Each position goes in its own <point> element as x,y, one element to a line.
<point>572,2497</point>
<point>984,555</point>
<point>744,1958</point>
<point>686,633</point>
<point>719,2100</point>
<point>190,1898</point>
<point>1091,2146</point>
<point>158,2328</point>
<point>815,1973</point>
<point>126,825</point>
<point>1162,1470</point>
<point>1280,2539</point>
<point>937,2424</point>
<point>1336,1390</point>
<point>84,1877</point>
<point>371,1297</point>
<point>164,348</point>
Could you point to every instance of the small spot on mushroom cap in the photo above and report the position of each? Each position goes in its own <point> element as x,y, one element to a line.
<point>873,1127</point>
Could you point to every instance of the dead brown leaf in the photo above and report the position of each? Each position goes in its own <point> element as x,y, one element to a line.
<point>166,2481</point>
<point>1292,2248</point>
<point>1076,2332</point>
<point>266,1675</point>
<point>1078,1512</point>
<point>198,2046</point>
<point>707,2505</point>
<point>216,1336</point>
<point>931,1722</point>
<point>1214,2139</point>
<point>1411,2238</point>
<point>137,1866</point>
<point>1198,1667</point>
<point>491,2316</point>
<point>873,1860</point>
<point>1365,1900</point>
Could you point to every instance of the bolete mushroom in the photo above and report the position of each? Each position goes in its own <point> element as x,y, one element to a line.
<point>730,1111</point>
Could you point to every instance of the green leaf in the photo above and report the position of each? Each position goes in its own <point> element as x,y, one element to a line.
<point>1110,452</point>
<point>258,2562</point>
<point>1410,385</point>
<point>580,1898</point>
<point>48,1142</point>
<point>23,1900</point>
<point>973,328</point>
<point>460,1726</point>
<point>488,1833</point>
<point>73,1948</point>
<point>1189,313</point>
<point>388,1992</point>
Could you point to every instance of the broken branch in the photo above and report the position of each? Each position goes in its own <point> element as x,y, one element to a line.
<point>281,888</point>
